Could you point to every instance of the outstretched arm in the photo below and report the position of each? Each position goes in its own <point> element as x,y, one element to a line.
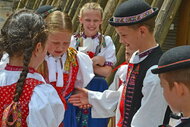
<point>103,103</point>
<point>80,98</point>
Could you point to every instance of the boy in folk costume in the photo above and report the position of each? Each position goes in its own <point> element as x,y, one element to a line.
<point>141,103</point>
<point>26,99</point>
<point>64,67</point>
<point>174,72</point>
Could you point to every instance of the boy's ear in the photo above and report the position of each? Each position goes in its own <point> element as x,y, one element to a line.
<point>38,49</point>
<point>179,88</point>
<point>142,29</point>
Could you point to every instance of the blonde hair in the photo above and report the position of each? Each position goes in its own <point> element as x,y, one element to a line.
<point>59,21</point>
<point>91,6</point>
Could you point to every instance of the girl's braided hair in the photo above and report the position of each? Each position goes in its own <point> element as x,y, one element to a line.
<point>19,36</point>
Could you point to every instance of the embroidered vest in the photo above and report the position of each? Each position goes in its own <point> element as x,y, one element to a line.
<point>7,93</point>
<point>133,94</point>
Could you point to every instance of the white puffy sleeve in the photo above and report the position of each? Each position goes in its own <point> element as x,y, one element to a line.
<point>104,103</point>
<point>153,105</point>
<point>109,51</point>
<point>119,75</point>
<point>45,108</point>
<point>85,72</point>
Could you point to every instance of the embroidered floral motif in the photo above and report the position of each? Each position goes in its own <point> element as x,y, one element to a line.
<point>127,95</point>
<point>82,115</point>
<point>48,12</point>
<point>71,59</point>
<point>132,19</point>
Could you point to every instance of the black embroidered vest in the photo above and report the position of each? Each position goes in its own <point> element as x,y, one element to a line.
<point>149,61</point>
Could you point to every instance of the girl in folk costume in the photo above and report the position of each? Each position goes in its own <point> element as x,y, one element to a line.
<point>26,99</point>
<point>101,50</point>
<point>92,42</point>
<point>64,67</point>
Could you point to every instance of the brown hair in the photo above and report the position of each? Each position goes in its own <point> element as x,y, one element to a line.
<point>150,24</point>
<point>59,21</point>
<point>181,75</point>
<point>19,36</point>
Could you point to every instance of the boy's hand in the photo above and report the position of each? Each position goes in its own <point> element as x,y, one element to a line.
<point>98,60</point>
<point>80,98</point>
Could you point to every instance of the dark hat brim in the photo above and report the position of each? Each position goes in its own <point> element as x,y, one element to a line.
<point>172,67</point>
<point>111,22</point>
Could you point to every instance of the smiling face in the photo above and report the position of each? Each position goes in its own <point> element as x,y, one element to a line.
<point>58,43</point>
<point>128,36</point>
<point>91,20</point>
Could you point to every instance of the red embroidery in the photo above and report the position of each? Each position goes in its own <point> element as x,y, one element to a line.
<point>7,93</point>
<point>18,68</point>
<point>122,101</point>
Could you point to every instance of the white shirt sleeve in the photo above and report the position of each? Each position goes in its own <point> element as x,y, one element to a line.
<point>119,75</point>
<point>85,72</point>
<point>109,51</point>
<point>45,108</point>
<point>153,105</point>
<point>104,103</point>
<point>4,60</point>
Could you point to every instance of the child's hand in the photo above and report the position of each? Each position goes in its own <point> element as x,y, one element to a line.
<point>98,60</point>
<point>85,106</point>
<point>80,98</point>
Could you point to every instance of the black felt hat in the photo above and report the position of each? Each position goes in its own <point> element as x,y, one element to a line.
<point>132,12</point>
<point>45,10</point>
<point>174,59</point>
